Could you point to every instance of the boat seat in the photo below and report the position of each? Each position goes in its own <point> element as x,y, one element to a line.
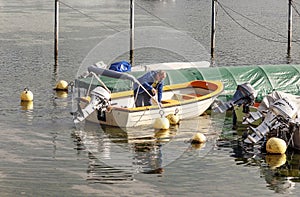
<point>170,101</point>
<point>195,95</point>
<point>182,97</point>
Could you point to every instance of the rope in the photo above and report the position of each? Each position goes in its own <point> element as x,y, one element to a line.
<point>88,92</point>
<point>227,13</point>
<point>100,81</point>
<point>161,20</point>
<point>135,98</point>
<point>295,8</point>
<point>93,19</point>
<point>139,85</point>
<point>152,97</point>
<point>263,26</point>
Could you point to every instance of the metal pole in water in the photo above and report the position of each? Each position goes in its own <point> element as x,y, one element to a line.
<point>56,25</point>
<point>213,29</point>
<point>290,29</point>
<point>132,32</point>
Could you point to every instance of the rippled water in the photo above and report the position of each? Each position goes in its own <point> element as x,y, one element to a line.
<point>44,154</point>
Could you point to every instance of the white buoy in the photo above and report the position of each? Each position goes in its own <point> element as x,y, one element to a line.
<point>198,138</point>
<point>276,146</point>
<point>26,95</point>
<point>161,123</point>
<point>62,85</point>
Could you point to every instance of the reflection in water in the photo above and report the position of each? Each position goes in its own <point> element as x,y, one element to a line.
<point>61,94</point>
<point>27,110</point>
<point>279,171</point>
<point>92,139</point>
<point>116,155</point>
<point>98,172</point>
<point>148,155</point>
<point>273,176</point>
<point>60,100</point>
<point>26,105</point>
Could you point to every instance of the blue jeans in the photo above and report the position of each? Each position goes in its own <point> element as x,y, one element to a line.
<point>143,99</point>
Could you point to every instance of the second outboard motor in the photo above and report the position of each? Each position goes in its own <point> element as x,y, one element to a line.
<point>264,107</point>
<point>282,112</point>
<point>245,94</point>
<point>100,100</point>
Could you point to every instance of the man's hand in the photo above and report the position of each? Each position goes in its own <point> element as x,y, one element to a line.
<point>153,91</point>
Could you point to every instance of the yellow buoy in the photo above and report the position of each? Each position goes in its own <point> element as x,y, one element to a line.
<point>61,85</point>
<point>161,123</point>
<point>198,138</point>
<point>276,146</point>
<point>198,145</point>
<point>173,119</point>
<point>26,95</point>
<point>275,161</point>
<point>26,105</point>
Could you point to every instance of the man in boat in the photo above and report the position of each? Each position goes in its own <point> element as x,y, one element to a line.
<point>152,81</point>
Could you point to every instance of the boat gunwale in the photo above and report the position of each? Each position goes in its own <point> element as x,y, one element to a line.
<point>194,84</point>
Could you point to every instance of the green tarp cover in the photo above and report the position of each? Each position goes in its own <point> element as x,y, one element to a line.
<point>264,78</point>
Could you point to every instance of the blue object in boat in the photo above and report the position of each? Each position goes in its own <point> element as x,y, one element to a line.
<point>121,66</point>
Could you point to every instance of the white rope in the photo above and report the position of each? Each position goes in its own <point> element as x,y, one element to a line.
<point>135,98</point>
<point>104,86</point>
<point>88,91</point>
<point>152,97</point>
<point>136,81</point>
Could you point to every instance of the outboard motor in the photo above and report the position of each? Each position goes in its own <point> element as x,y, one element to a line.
<point>281,114</point>
<point>100,100</point>
<point>264,107</point>
<point>245,94</point>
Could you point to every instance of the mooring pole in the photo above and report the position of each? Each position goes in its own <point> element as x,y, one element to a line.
<point>56,25</point>
<point>132,32</point>
<point>290,21</point>
<point>213,28</point>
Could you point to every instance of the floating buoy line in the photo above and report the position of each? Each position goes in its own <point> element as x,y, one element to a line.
<point>26,96</point>
<point>161,124</point>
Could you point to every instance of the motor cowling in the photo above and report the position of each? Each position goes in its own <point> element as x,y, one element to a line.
<point>100,100</point>
<point>245,94</point>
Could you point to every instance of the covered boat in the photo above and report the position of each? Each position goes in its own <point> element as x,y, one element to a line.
<point>264,78</point>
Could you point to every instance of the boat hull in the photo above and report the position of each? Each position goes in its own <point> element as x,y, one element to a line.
<point>125,118</point>
<point>187,100</point>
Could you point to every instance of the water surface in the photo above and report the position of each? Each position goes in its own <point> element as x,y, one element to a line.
<point>44,154</point>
